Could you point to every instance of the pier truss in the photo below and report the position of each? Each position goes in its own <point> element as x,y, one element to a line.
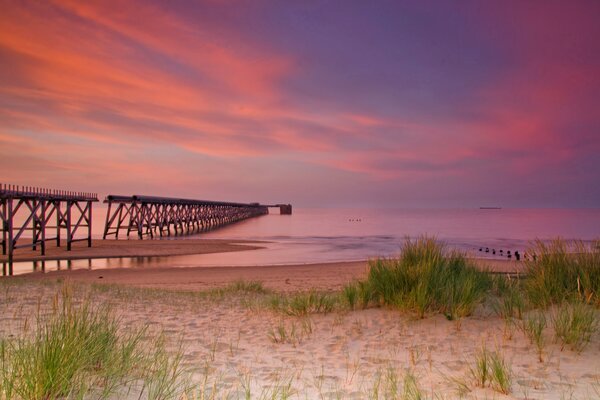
<point>162,216</point>
<point>32,216</point>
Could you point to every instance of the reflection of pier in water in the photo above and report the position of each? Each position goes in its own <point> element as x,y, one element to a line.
<point>23,267</point>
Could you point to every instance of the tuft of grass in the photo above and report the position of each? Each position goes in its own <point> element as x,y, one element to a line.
<point>78,350</point>
<point>574,324</point>
<point>283,334</point>
<point>302,304</point>
<point>350,293</point>
<point>364,293</point>
<point>562,271</point>
<point>232,289</point>
<point>500,373</point>
<point>165,377</point>
<point>411,389</point>
<point>490,369</point>
<point>481,370</point>
<point>510,302</point>
<point>392,383</point>
<point>246,286</point>
<point>533,326</point>
<point>426,278</point>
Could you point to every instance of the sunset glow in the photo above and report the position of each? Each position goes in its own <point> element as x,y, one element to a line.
<point>317,103</point>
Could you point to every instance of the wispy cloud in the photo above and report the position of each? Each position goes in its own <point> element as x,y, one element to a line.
<point>239,89</point>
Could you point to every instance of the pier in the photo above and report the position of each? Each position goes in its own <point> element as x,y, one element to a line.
<point>163,216</point>
<point>32,218</point>
<point>45,215</point>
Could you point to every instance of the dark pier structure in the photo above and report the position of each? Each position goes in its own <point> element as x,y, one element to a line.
<point>163,216</point>
<point>32,216</point>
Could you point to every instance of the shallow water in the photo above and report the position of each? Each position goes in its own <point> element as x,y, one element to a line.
<point>320,235</point>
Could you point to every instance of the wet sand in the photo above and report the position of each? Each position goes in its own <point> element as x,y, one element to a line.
<point>133,248</point>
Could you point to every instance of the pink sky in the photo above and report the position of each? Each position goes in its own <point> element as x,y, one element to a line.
<point>315,103</point>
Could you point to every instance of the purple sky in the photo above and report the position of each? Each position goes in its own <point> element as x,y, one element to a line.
<point>323,103</point>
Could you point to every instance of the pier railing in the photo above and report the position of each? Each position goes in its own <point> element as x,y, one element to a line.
<point>31,216</point>
<point>164,216</point>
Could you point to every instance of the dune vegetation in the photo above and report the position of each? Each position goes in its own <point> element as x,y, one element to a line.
<point>77,346</point>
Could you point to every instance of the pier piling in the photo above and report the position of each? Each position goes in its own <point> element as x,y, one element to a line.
<point>26,216</point>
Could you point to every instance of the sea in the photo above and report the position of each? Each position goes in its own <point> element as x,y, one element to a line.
<point>315,235</point>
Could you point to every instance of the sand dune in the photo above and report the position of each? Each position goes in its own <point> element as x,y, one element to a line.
<point>230,345</point>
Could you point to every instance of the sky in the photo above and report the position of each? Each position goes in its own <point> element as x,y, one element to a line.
<point>315,103</point>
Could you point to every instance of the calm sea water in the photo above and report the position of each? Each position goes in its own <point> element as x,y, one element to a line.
<point>317,235</point>
<point>311,235</point>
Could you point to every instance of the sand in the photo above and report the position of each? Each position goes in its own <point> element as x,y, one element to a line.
<point>284,278</point>
<point>236,343</point>
<point>133,248</point>
<point>232,342</point>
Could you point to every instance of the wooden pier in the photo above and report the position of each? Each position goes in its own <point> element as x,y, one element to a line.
<point>31,217</point>
<point>45,214</point>
<point>164,216</point>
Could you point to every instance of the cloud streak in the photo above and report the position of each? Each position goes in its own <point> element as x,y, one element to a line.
<point>148,94</point>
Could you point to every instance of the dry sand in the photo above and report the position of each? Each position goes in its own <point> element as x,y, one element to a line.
<point>229,342</point>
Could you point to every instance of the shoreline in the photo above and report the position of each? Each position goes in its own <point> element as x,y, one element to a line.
<point>328,276</point>
<point>111,248</point>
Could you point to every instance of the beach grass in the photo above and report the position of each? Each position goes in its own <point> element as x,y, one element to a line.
<point>510,301</point>
<point>350,294</point>
<point>574,323</point>
<point>238,287</point>
<point>303,303</point>
<point>533,326</point>
<point>501,373</point>
<point>291,328</point>
<point>79,350</point>
<point>426,278</point>
<point>563,270</point>
<point>490,369</point>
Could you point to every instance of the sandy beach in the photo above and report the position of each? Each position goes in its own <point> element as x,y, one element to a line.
<point>235,344</point>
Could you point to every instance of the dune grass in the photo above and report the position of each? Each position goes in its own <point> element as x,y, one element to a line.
<point>425,278</point>
<point>303,303</point>
<point>509,302</point>
<point>491,369</point>
<point>574,323</point>
<point>533,326</point>
<point>563,270</point>
<point>239,287</point>
<point>79,351</point>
